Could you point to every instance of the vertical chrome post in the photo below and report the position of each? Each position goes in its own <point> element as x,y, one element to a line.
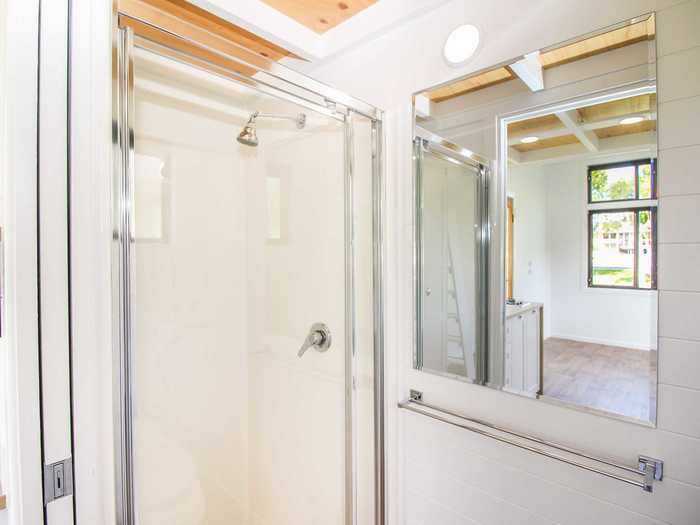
<point>350,350</point>
<point>378,292</point>
<point>418,159</point>
<point>482,281</point>
<point>123,144</point>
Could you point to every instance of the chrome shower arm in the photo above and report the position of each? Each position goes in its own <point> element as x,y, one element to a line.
<point>300,119</point>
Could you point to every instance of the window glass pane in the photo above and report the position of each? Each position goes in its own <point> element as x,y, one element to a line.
<point>614,184</point>
<point>646,247</point>
<point>612,249</point>
<point>645,181</point>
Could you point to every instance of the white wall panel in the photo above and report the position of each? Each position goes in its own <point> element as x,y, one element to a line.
<point>678,28</point>
<point>678,217</point>
<point>680,263</point>
<point>678,410</point>
<point>678,315</point>
<point>681,72</point>
<point>679,362</point>
<point>678,171</point>
<point>678,124</point>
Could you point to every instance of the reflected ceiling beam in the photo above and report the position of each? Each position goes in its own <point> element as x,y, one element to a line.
<point>514,156</point>
<point>422,105</point>
<point>514,138</point>
<point>529,70</point>
<point>570,119</point>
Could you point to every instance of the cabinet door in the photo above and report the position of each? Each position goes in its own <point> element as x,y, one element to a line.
<point>516,353</point>
<point>531,337</point>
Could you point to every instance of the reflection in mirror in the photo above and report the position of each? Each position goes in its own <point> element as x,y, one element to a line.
<point>449,189</point>
<point>571,309</point>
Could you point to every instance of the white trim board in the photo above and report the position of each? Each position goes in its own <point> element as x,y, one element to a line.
<point>606,342</point>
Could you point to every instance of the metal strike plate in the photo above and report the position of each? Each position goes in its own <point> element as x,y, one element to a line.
<point>58,480</point>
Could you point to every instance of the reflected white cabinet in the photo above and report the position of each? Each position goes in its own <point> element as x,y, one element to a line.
<point>524,350</point>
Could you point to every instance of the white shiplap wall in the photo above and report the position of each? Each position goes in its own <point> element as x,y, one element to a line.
<point>440,475</point>
<point>451,477</point>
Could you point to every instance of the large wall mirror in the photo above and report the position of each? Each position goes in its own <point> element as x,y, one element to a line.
<point>536,219</point>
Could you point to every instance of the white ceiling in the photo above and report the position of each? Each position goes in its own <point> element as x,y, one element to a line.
<point>258,17</point>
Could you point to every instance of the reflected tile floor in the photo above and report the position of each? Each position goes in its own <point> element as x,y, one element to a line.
<point>609,378</point>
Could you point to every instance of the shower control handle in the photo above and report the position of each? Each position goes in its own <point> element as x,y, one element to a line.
<point>319,339</point>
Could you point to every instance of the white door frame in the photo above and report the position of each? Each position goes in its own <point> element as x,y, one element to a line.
<point>20,341</point>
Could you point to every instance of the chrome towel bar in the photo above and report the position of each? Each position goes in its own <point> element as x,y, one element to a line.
<point>647,471</point>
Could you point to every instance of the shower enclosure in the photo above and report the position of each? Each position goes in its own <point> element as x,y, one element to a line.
<point>247,281</point>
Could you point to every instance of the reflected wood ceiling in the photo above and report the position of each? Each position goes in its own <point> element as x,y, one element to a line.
<point>619,108</point>
<point>595,45</point>
<point>624,36</point>
<point>552,142</point>
<point>602,120</point>
<point>320,15</point>
<point>484,80</point>
<point>534,125</point>
<point>182,18</point>
<point>628,129</point>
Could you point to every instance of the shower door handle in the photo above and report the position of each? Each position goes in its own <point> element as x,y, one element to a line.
<point>319,338</point>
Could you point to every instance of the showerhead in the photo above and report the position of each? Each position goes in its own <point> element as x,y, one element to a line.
<point>249,136</point>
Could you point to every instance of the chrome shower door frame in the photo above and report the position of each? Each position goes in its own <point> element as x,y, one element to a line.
<point>425,142</point>
<point>301,90</point>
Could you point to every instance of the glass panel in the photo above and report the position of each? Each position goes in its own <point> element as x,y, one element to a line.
<point>645,187</point>
<point>646,249</point>
<point>238,250</point>
<point>613,184</point>
<point>449,213</point>
<point>612,249</point>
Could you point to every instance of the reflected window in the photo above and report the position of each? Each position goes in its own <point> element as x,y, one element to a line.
<point>622,251</point>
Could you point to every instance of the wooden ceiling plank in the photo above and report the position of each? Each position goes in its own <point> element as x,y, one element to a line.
<point>174,43</point>
<point>201,25</point>
<point>534,125</point>
<point>320,15</point>
<point>469,84</point>
<point>619,108</point>
<point>626,129</point>
<point>615,39</point>
<point>547,143</point>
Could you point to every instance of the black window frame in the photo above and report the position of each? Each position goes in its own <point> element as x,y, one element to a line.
<point>635,276</point>
<point>612,165</point>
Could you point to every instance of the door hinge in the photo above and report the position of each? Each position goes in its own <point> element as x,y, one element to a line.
<point>58,480</point>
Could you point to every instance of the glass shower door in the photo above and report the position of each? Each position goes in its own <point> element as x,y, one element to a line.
<point>239,271</point>
<point>449,214</point>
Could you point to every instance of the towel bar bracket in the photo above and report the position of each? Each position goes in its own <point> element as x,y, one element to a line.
<point>653,470</point>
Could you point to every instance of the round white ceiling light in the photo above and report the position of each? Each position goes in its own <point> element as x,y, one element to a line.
<point>461,44</point>
<point>529,140</point>
<point>631,120</point>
